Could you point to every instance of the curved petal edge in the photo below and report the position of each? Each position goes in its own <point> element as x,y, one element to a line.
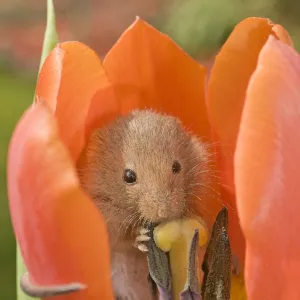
<point>73,83</point>
<point>267,174</point>
<point>61,233</point>
<point>148,70</point>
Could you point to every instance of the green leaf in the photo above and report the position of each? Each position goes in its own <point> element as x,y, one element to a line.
<point>50,41</point>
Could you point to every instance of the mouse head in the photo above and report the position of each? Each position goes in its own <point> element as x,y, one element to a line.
<point>146,162</point>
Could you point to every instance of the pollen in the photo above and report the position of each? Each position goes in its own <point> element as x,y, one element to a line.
<point>168,233</point>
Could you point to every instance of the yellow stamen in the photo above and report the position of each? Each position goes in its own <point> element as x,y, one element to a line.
<point>176,237</point>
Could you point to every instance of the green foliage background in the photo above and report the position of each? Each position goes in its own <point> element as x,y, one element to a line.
<point>201,26</point>
<point>16,95</point>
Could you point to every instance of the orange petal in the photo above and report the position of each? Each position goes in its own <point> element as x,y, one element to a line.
<point>267,175</point>
<point>148,70</point>
<point>282,34</point>
<point>226,92</point>
<point>73,83</point>
<point>228,83</point>
<point>61,233</point>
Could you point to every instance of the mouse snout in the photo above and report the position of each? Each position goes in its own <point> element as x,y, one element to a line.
<point>159,207</point>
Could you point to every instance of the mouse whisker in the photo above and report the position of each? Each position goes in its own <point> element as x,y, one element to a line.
<point>144,222</point>
<point>180,143</point>
<point>214,176</point>
<point>127,222</point>
<point>202,170</point>
<point>197,201</point>
<point>217,198</point>
<point>212,172</point>
<point>225,185</point>
<point>207,192</point>
<point>133,218</point>
<point>192,169</point>
<point>126,225</point>
<point>205,186</point>
<point>109,218</point>
<point>192,213</point>
<point>204,183</point>
<point>136,223</point>
<point>193,159</point>
<point>211,182</point>
<point>212,145</point>
<point>130,207</point>
<point>214,196</point>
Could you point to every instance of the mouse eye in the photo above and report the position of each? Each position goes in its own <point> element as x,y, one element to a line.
<point>176,167</point>
<point>129,176</point>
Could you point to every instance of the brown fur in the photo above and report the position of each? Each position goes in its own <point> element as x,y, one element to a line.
<point>147,143</point>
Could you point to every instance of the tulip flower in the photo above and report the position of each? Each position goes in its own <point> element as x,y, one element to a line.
<point>248,115</point>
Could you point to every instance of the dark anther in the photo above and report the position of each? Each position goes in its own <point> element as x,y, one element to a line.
<point>192,285</point>
<point>159,270</point>
<point>216,266</point>
<point>217,262</point>
<point>221,222</point>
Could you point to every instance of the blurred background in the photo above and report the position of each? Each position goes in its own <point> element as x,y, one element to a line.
<point>198,26</point>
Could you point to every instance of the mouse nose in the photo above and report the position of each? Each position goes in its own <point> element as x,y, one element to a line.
<point>170,209</point>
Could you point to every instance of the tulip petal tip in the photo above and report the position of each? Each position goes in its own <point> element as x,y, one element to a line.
<point>37,291</point>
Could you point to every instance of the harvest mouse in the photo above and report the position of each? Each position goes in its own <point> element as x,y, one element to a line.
<point>143,168</point>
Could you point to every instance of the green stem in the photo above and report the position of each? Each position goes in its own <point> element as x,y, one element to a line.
<point>50,37</point>
<point>50,41</point>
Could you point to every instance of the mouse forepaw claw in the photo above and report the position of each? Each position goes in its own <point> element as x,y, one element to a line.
<point>142,239</point>
<point>142,248</point>
<point>144,231</point>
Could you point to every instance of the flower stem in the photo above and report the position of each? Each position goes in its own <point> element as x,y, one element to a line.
<point>50,37</point>
<point>50,41</point>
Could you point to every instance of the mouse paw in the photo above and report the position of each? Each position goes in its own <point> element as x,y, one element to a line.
<point>141,240</point>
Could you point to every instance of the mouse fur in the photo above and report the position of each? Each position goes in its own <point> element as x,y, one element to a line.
<point>148,143</point>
